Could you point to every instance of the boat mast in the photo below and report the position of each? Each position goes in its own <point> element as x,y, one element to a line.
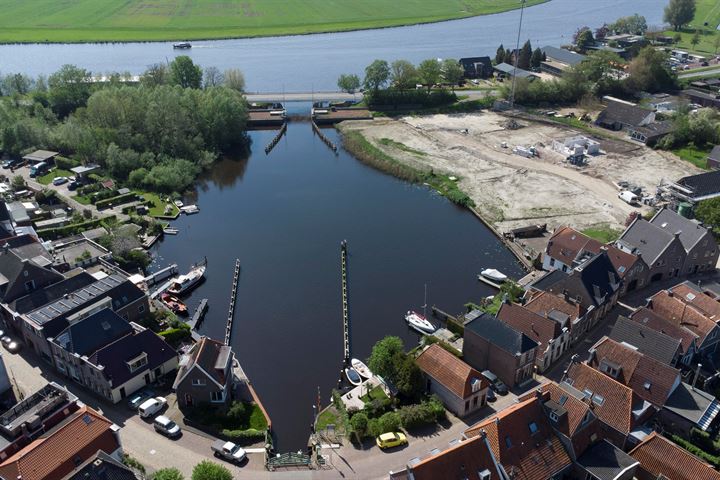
<point>425,303</point>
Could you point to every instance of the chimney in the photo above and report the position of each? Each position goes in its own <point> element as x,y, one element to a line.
<point>697,374</point>
<point>566,294</point>
<point>538,393</point>
<point>677,234</point>
<point>670,292</point>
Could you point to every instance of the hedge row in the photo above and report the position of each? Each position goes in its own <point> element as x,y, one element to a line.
<point>414,98</point>
<point>712,459</point>
<point>249,435</point>
<point>176,335</point>
<point>118,200</point>
<point>65,163</point>
<point>74,229</point>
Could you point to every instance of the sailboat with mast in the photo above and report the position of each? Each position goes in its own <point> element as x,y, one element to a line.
<point>419,322</point>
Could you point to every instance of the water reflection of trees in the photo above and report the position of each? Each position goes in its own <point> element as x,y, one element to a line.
<point>226,172</point>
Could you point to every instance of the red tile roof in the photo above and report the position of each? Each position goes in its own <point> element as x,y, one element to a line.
<point>527,455</point>
<point>622,261</point>
<point>688,294</point>
<point>659,456</point>
<point>543,303</point>
<point>651,379</point>
<point>616,407</point>
<point>651,319</point>
<point>447,369</point>
<point>55,454</point>
<point>672,308</point>
<point>566,244</point>
<point>539,328</point>
<point>457,463</point>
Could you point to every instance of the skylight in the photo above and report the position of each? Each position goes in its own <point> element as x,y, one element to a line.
<point>533,427</point>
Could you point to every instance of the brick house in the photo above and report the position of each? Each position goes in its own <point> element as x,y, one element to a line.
<point>688,339</point>
<point>559,306</point>
<point>462,389</point>
<point>205,374</point>
<point>490,344</point>
<point>648,341</point>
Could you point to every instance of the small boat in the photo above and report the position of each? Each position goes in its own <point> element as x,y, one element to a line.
<point>361,368</point>
<point>353,376</point>
<point>494,275</point>
<point>418,322</point>
<point>190,209</point>
<point>174,304</point>
<point>170,230</point>
<point>178,203</point>
<point>184,283</point>
<point>182,45</point>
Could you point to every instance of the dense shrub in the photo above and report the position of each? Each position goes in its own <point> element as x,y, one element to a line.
<point>713,459</point>
<point>116,200</point>
<point>67,230</point>
<point>65,163</point>
<point>415,98</point>
<point>376,407</point>
<point>175,336</point>
<point>249,435</point>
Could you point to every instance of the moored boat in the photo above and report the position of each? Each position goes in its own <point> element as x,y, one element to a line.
<point>184,283</point>
<point>174,304</point>
<point>361,368</point>
<point>418,322</point>
<point>182,45</point>
<point>189,209</point>
<point>494,275</point>
<point>353,376</point>
<point>179,203</point>
<point>170,231</point>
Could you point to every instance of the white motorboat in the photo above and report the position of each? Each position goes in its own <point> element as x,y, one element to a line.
<point>494,275</point>
<point>189,209</point>
<point>353,376</point>
<point>179,203</point>
<point>184,283</point>
<point>361,368</point>
<point>418,322</point>
<point>170,231</point>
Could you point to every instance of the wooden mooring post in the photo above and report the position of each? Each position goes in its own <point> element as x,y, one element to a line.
<point>345,311</point>
<point>276,140</point>
<point>322,136</point>
<point>233,295</point>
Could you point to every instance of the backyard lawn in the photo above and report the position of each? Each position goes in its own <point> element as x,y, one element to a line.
<point>133,20</point>
<point>603,233</point>
<point>159,205</point>
<point>48,177</point>
<point>376,393</point>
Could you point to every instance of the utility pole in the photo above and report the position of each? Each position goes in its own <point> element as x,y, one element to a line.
<point>517,54</point>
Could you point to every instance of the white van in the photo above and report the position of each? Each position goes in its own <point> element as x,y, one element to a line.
<point>628,197</point>
<point>152,406</point>
<point>164,425</point>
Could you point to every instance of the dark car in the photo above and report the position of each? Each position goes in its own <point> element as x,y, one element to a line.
<point>73,185</point>
<point>12,163</point>
<point>496,384</point>
<point>491,396</point>
<point>137,398</point>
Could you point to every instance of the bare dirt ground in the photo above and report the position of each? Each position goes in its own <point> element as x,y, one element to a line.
<point>510,190</point>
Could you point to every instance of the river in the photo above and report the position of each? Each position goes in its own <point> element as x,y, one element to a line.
<point>284,216</point>
<point>313,62</point>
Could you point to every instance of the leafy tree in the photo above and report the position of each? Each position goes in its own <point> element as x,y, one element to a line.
<point>408,379</point>
<point>430,72</point>
<point>156,74</point>
<point>168,474</point>
<point>403,74</point>
<point>634,24</point>
<point>452,72</point>
<point>500,55</point>
<point>679,13</point>
<point>384,355</point>
<point>649,72</point>
<point>16,84</point>
<point>600,67</point>
<point>536,58</point>
<point>389,422</point>
<point>212,77</point>
<point>377,75</point>
<point>348,83</point>
<point>185,73</point>
<point>359,423</point>
<point>695,38</point>
<point>602,32</point>
<point>525,56</point>
<point>207,470</point>
<point>68,89</point>
<point>584,38</point>
<point>234,79</point>
<point>18,183</point>
<point>708,212</point>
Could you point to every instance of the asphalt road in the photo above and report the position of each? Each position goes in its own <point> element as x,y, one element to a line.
<point>703,73</point>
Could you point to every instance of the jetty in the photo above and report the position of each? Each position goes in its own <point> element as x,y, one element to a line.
<point>487,281</point>
<point>345,310</point>
<point>233,295</point>
<point>332,115</point>
<point>266,115</point>
<point>323,137</point>
<point>276,140</point>
<point>160,275</point>
<point>199,315</point>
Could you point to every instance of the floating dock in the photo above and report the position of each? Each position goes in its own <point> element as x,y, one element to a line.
<point>161,275</point>
<point>487,281</point>
<point>266,117</point>
<point>345,310</point>
<point>233,295</point>
<point>199,315</point>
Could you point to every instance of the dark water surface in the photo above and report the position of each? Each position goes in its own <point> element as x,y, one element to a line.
<point>284,216</point>
<point>314,62</point>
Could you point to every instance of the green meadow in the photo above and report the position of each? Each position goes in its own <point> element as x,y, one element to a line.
<point>156,20</point>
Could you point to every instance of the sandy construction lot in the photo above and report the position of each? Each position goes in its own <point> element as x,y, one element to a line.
<point>511,190</point>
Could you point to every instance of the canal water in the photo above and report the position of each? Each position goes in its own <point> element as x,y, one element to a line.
<point>314,62</point>
<point>284,216</point>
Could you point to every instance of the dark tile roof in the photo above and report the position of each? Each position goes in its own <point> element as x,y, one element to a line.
<point>593,282</point>
<point>538,328</point>
<point>691,231</point>
<point>501,335</point>
<point>703,184</point>
<point>210,355</point>
<point>623,113</point>
<point>101,467</point>
<point>659,456</point>
<point>692,403</point>
<point>656,129</point>
<point>714,155</point>
<point>648,239</point>
<point>115,355</point>
<point>447,369</point>
<point>563,56</point>
<point>648,341</point>
<point>94,332</point>
<point>508,69</point>
<point>647,317</point>
<point>549,279</point>
<point>43,296</point>
<point>606,462</point>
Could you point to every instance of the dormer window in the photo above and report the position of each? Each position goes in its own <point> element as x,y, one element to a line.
<point>137,362</point>
<point>611,370</point>
<point>647,385</point>
<point>554,417</point>
<point>475,384</point>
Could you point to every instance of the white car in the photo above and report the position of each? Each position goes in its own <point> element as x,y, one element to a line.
<point>164,425</point>
<point>152,406</point>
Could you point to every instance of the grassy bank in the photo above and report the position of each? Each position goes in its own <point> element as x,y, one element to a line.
<point>603,233</point>
<point>157,20</point>
<point>366,152</point>
<point>706,11</point>
<point>694,155</point>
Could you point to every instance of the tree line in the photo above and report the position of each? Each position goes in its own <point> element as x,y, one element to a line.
<point>156,135</point>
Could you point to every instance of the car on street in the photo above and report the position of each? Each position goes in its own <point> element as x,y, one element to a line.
<point>151,406</point>
<point>497,385</point>
<point>59,180</point>
<point>164,425</point>
<point>228,451</point>
<point>5,340</point>
<point>12,163</point>
<point>139,397</point>
<point>391,439</point>
<point>13,346</point>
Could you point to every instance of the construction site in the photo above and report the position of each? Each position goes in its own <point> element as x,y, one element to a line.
<point>528,170</point>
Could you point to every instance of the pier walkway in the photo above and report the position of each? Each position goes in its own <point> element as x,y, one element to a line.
<point>233,295</point>
<point>345,312</point>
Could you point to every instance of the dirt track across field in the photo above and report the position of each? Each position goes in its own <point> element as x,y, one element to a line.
<point>511,190</point>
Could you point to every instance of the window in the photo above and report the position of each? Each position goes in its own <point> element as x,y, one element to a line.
<point>598,399</point>
<point>533,428</point>
<point>141,308</point>
<point>29,285</point>
<point>217,397</point>
<point>508,442</point>
<point>475,384</point>
<point>137,362</point>
<point>609,369</point>
<point>475,401</point>
<point>552,262</point>
<point>467,405</point>
<point>554,417</point>
<point>198,382</point>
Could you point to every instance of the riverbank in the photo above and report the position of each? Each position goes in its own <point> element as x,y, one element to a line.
<point>98,21</point>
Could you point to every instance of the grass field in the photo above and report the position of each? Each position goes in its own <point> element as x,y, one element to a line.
<point>707,11</point>
<point>155,20</point>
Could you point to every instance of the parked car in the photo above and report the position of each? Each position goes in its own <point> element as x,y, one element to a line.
<point>164,425</point>
<point>38,169</point>
<point>13,346</point>
<point>152,406</point>
<point>5,339</point>
<point>391,439</point>
<point>12,163</point>
<point>491,396</point>
<point>229,451</point>
<point>59,180</point>
<point>496,384</point>
<point>139,397</point>
<point>628,197</point>
<point>73,185</point>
